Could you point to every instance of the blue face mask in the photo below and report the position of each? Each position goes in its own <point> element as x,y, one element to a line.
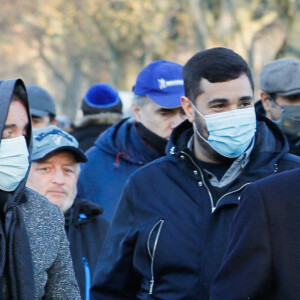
<point>230,132</point>
<point>13,162</point>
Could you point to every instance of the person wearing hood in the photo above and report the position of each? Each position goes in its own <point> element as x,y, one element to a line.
<point>35,258</point>
<point>54,172</point>
<point>170,230</point>
<point>280,98</point>
<point>134,142</point>
<point>101,108</point>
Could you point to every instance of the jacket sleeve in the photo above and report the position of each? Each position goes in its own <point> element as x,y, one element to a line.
<point>246,269</point>
<point>61,283</point>
<point>114,277</point>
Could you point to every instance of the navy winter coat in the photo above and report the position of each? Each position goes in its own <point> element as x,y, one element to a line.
<point>86,230</point>
<point>262,259</point>
<point>170,231</point>
<point>117,153</point>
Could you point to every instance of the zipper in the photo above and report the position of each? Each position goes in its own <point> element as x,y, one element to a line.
<point>87,278</point>
<point>240,188</point>
<point>202,177</point>
<point>160,224</point>
<point>213,207</point>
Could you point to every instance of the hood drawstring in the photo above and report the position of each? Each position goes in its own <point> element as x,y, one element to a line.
<point>117,162</point>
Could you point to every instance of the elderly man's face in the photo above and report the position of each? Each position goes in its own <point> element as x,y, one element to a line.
<point>158,119</point>
<point>56,179</point>
<point>16,123</point>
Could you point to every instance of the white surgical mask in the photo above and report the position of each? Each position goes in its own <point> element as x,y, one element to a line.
<point>13,162</point>
<point>230,132</point>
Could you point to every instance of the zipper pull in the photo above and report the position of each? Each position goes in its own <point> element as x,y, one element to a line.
<point>151,287</point>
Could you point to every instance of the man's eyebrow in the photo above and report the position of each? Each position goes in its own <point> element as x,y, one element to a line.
<point>246,98</point>
<point>217,100</point>
<point>9,126</point>
<point>224,100</point>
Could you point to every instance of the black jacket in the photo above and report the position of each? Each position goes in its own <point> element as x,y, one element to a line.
<point>86,230</point>
<point>91,126</point>
<point>87,135</point>
<point>262,259</point>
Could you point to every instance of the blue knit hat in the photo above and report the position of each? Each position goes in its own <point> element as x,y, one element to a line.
<point>162,82</point>
<point>101,95</point>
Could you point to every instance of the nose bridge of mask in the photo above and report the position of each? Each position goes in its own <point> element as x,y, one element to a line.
<point>13,146</point>
<point>228,118</point>
<point>236,119</point>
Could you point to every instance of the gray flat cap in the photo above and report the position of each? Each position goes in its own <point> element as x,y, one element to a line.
<point>281,76</point>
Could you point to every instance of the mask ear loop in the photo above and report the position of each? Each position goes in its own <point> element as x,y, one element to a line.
<point>194,125</point>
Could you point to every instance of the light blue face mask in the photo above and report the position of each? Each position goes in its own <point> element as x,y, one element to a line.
<point>13,162</point>
<point>230,132</point>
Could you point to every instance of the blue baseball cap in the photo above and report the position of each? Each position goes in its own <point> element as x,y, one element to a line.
<point>50,139</point>
<point>162,82</point>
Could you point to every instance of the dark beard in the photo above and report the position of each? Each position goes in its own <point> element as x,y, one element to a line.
<point>206,148</point>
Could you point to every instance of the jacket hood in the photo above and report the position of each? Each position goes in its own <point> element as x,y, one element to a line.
<point>7,88</point>
<point>268,139</point>
<point>122,139</point>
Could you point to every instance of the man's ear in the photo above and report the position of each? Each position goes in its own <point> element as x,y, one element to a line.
<point>136,111</point>
<point>187,106</point>
<point>265,100</point>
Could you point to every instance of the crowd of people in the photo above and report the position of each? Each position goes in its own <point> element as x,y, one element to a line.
<point>181,200</point>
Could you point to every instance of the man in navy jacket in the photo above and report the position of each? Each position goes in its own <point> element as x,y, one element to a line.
<point>134,142</point>
<point>262,258</point>
<point>170,231</point>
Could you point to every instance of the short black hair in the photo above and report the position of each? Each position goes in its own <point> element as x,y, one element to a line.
<point>215,65</point>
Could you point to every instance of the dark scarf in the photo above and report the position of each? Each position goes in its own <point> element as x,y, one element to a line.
<point>15,254</point>
<point>152,140</point>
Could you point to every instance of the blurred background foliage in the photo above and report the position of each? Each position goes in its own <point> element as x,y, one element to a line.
<point>65,46</point>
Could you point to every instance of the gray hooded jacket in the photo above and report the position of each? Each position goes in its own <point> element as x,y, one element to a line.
<point>48,262</point>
